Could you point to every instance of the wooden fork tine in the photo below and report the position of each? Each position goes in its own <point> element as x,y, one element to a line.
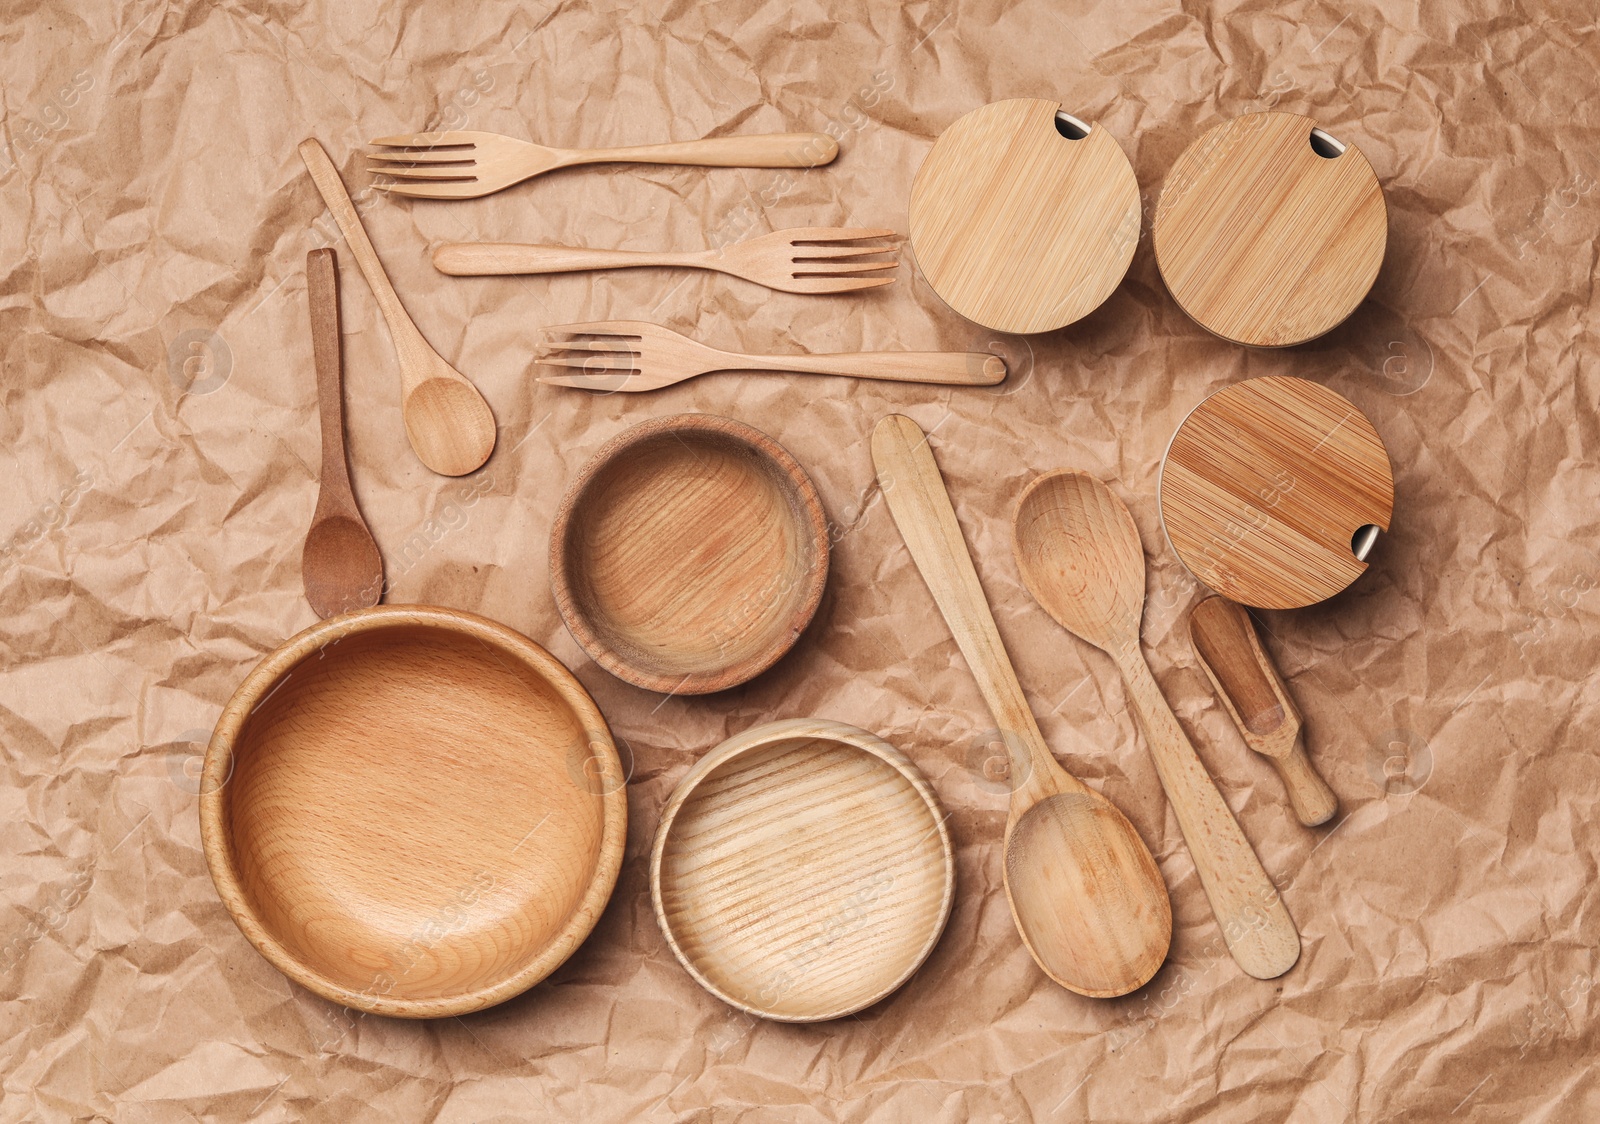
<point>589,363</point>
<point>423,156</point>
<point>826,253</point>
<point>436,172</point>
<point>833,268</point>
<point>596,344</point>
<point>841,284</point>
<point>457,189</point>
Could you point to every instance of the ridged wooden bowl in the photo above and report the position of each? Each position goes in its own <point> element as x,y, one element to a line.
<point>802,870</point>
<point>690,554</point>
<point>413,811</point>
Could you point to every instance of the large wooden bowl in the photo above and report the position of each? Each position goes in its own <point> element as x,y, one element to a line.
<point>413,811</point>
<point>689,555</point>
<point>802,870</point>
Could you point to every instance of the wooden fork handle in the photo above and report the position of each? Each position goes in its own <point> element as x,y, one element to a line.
<point>771,150</point>
<point>1255,925</point>
<point>482,259</point>
<point>950,368</point>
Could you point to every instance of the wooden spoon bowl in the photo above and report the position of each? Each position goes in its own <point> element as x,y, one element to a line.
<point>690,554</point>
<point>413,811</point>
<point>802,870</point>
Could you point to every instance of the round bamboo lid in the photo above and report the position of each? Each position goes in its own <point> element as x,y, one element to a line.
<point>1273,491</point>
<point>1023,218</point>
<point>1270,231</point>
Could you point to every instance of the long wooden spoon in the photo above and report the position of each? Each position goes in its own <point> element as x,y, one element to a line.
<point>1081,558</point>
<point>1084,891</point>
<point>447,420</point>
<point>340,564</point>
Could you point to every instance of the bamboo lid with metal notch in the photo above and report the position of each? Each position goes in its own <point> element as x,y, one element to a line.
<point>1269,231</point>
<point>1024,218</point>
<point>1273,492</point>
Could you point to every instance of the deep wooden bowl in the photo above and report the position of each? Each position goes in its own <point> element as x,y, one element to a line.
<point>413,811</point>
<point>802,870</point>
<point>690,554</point>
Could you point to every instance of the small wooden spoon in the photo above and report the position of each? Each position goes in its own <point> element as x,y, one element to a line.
<point>340,564</point>
<point>1081,558</point>
<point>1084,891</point>
<point>449,424</point>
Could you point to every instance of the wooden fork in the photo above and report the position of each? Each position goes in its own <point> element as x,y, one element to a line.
<point>631,355</point>
<point>465,165</point>
<point>804,260</point>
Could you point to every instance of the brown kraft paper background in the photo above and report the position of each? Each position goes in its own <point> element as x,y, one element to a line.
<point>161,442</point>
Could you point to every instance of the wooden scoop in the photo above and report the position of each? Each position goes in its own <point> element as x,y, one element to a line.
<point>1084,891</point>
<point>341,565</point>
<point>447,421</point>
<point>1081,558</point>
<point>1254,695</point>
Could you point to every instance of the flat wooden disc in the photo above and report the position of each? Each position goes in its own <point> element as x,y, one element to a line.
<point>1262,240</point>
<point>1018,227</point>
<point>1264,489</point>
<point>802,870</point>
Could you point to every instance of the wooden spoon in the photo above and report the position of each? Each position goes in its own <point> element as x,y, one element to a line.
<point>1081,558</point>
<point>447,420</point>
<point>340,564</point>
<point>1084,891</point>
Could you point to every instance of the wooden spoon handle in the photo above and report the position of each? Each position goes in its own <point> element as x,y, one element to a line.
<point>1256,926</point>
<point>949,368</point>
<point>326,177</point>
<point>771,150</point>
<point>482,259</point>
<point>322,292</point>
<point>920,504</point>
<point>1254,695</point>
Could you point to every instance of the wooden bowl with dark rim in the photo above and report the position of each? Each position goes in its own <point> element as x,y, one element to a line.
<point>689,555</point>
<point>413,811</point>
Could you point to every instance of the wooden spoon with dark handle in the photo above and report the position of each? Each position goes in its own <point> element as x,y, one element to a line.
<point>340,564</point>
<point>1082,559</point>
<point>1084,890</point>
<point>1254,695</point>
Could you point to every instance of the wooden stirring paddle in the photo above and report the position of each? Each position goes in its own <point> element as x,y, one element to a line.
<point>1254,695</point>
<point>340,564</point>
<point>1081,558</point>
<point>1084,890</point>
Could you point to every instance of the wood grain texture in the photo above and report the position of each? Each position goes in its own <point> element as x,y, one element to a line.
<point>632,355</point>
<point>1255,697</point>
<point>413,811</point>
<point>465,164</point>
<point>1084,891</point>
<point>339,564</point>
<point>815,260</point>
<point>1266,484</point>
<point>1081,558</point>
<point>690,554</point>
<point>1020,228</point>
<point>1262,240</point>
<point>802,870</point>
<point>448,423</point>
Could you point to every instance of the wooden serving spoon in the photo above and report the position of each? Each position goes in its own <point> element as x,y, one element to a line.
<point>1084,891</point>
<point>341,565</point>
<point>1081,558</point>
<point>448,422</point>
<point>1253,693</point>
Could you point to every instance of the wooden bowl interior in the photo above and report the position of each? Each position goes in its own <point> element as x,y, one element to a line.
<point>408,815</point>
<point>804,879</point>
<point>688,554</point>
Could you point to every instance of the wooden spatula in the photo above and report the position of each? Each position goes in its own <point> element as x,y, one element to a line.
<point>1254,695</point>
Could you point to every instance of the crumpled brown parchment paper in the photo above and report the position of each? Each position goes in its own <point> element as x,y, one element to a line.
<point>160,428</point>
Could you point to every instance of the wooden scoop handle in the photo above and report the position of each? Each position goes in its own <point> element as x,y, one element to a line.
<point>1254,695</point>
